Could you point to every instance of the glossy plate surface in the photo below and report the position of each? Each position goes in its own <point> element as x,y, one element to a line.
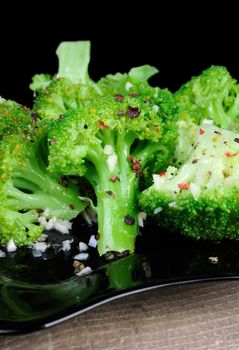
<point>38,292</point>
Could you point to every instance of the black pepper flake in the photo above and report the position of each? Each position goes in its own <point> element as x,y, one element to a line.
<point>133,112</point>
<point>120,113</point>
<point>195,161</point>
<point>72,206</point>
<point>217,132</point>
<point>85,126</point>
<point>133,94</point>
<point>129,220</point>
<point>122,254</point>
<point>64,181</point>
<point>236,139</point>
<point>35,118</point>
<point>119,98</point>
<point>34,115</point>
<point>97,236</point>
<point>110,193</point>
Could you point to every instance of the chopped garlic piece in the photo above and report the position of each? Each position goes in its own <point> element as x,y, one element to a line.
<point>11,246</point>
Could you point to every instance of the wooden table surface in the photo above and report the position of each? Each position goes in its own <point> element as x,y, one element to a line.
<point>199,317</point>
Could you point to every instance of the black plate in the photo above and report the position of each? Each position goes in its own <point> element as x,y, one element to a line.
<point>41,292</point>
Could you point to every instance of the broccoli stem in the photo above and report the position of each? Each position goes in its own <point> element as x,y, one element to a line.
<point>38,200</point>
<point>34,175</point>
<point>116,208</point>
<point>117,218</point>
<point>74,58</point>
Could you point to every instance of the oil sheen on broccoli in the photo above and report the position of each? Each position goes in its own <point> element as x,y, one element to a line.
<point>200,198</point>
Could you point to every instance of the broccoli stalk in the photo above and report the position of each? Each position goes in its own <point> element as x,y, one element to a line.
<point>116,201</point>
<point>74,58</point>
<point>29,174</point>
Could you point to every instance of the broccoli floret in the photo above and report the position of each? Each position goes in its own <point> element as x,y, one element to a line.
<point>212,95</point>
<point>71,85</point>
<point>23,228</point>
<point>109,141</point>
<point>200,198</point>
<point>134,82</point>
<point>28,191</point>
<point>15,118</point>
<point>65,91</point>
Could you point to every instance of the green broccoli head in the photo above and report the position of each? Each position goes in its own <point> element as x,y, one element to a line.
<point>15,118</point>
<point>28,191</point>
<point>200,198</point>
<point>54,95</point>
<point>134,82</point>
<point>213,95</point>
<point>110,140</point>
<point>23,228</point>
<point>130,122</point>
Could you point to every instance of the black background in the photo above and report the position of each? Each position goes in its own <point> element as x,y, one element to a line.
<point>180,42</point>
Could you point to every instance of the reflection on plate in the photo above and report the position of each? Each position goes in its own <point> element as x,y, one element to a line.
<point>38,292</point>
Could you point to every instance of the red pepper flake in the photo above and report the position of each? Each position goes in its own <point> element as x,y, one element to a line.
<point>230,154</point>
<point>162,173</point>
<point>183,186</point>
<point>102,125</point>
<point>201,131</point>
<point>119,98</point>
<point>53,142</point>
<point>133,112</point>
<point>135,165</point>
<point>114,178</point>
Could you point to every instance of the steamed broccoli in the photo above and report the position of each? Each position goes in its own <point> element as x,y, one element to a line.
<point>200,198</point>
<point>54,95</point>
<point>15,118</point>
<point>109,140</point>
<point>214,95</point>
<point>27,190</point>
<point>69,87</point>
